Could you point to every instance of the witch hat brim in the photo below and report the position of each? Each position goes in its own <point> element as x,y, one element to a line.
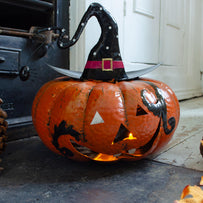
<point>131,75</point>
<point>69,73</point>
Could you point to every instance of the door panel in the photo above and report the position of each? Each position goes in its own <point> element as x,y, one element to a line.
<point>141,31</point>
<point>173,32</point>
<point>167,32</point>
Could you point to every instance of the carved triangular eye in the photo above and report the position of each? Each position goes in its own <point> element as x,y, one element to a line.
<point>123,133</point>
<point>97,119</point>
<point>140,111</point>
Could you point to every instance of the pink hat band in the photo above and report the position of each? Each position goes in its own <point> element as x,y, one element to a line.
<point>107,64</point>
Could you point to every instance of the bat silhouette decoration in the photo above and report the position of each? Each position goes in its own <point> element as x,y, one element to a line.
<point>104,114</point>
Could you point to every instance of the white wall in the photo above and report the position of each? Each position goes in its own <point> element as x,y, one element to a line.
<point>77,52</point>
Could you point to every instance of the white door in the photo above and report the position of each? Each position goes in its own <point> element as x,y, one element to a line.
<point>141,31</point>
<point>173,32</point>
<point>165,31</point>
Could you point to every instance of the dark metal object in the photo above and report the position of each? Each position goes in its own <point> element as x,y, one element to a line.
<point>24,53</point>
<point>10,32</point>
<point>46,35</point>
<point>2,59</point>
<point>38,5</point>
<point>24,73</point>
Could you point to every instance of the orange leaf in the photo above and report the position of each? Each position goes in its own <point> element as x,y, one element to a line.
<point>201,181</point>
<point>201,147</point>
<point>195,191</point>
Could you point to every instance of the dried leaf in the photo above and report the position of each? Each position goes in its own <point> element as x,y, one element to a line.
<point>201,181</point>
<point>201,147</point>
<point>195,191</point>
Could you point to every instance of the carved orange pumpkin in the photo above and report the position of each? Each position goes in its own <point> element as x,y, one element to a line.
<point>105,121</point>
<point>87,118</point>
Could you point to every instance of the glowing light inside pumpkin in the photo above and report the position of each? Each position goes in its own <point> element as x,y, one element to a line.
<point>105,157</point>
<point>130,137</point>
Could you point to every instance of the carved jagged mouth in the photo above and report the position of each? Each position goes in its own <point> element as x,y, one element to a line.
<point>103,157</point>
<point>93,155</point>
<point>127,153</point>
<point>84,150</point>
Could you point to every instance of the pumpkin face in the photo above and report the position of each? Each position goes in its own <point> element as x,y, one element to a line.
<point>105,121</point>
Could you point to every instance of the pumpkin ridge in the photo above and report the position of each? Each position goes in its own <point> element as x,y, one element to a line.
<point>60,129</point>
<point>51,107</point>
<point>37,99</point>
<point>47,120</point>
<point>124,105</point>
<point>80,90</point>
<point>132,86</point>
<point>84,114</point>
<point>44,88</point>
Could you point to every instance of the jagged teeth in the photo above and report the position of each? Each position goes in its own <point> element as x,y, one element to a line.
<point>131,151</point>
<point>116,155</point>
<point>84,150</point>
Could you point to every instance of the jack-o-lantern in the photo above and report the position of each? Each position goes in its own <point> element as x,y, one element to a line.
<point>105,114</point>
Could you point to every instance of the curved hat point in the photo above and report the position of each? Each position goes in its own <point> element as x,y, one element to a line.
<point>135,74</point>
<point>69,73</point>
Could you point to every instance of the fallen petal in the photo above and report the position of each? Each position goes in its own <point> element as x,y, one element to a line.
<point>195,191</point>
<point>201,181</point>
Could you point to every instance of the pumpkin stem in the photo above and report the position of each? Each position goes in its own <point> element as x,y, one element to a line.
<point>104,61</point>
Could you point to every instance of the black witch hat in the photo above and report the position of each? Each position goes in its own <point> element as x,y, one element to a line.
<point>104,61</point>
